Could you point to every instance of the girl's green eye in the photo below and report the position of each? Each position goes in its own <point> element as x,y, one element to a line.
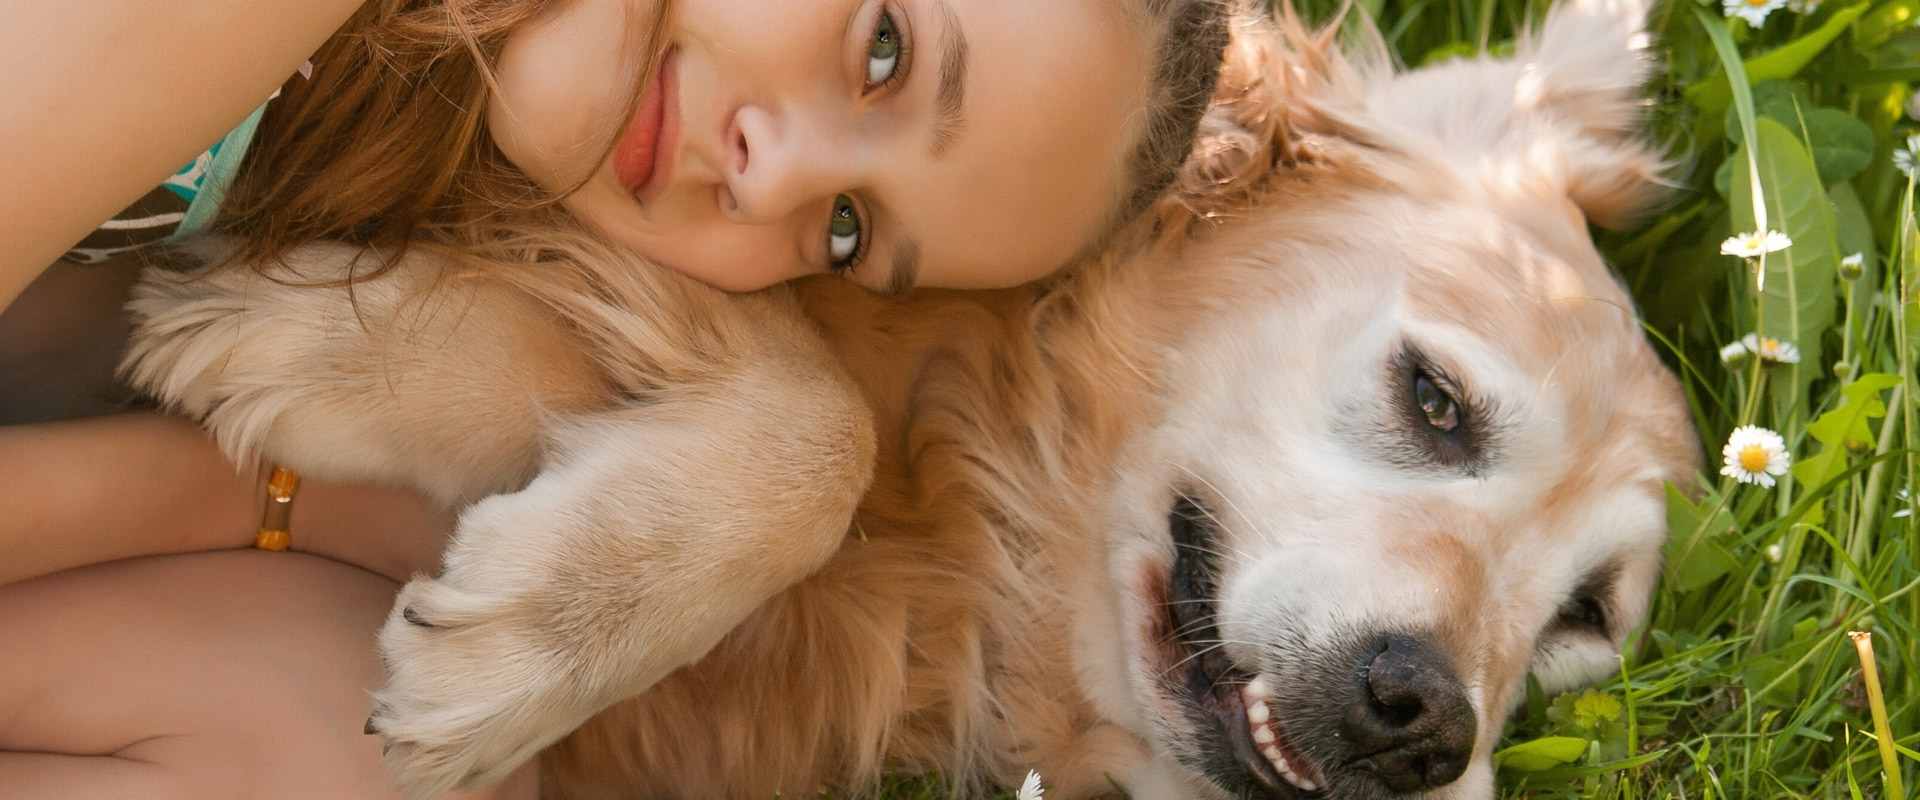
<point>843,233</point>
<point>883,53</point>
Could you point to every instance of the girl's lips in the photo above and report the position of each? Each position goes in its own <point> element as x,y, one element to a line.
<point>643,158</point>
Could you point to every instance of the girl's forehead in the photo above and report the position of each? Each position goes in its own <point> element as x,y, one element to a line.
<point>1038,164</point>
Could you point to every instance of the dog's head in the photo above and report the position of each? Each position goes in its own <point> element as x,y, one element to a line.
<point>1409,440</point>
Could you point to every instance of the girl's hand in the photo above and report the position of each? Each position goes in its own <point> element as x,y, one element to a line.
<point>104,488</point>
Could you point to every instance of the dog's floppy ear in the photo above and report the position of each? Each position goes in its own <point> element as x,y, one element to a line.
<point>1586,72</point>
<point>1565,108</point>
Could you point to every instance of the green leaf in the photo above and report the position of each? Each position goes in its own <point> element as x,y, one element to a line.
<point>1735,69</point>
<point>1806,628</point>
<point>1849,421</point>
<point>1910,277</point>
<point>1693,557</point>
<point>1723,177</point>
<point>1844,424</point>
<point>1543,753</point>
<point>1780,101</point>
<point>1820,467</point>
<point>1775,673</point>
<point>1812,734</point>
<point>1842,145</point>
<point>1797,303</point>
<point>1593,708</point>
<point>1713,94</point>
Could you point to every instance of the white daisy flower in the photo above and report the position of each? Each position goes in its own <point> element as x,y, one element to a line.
<point>1775,554</point>
<point>1734,354</point>
<point>1029,788</point>
<point>1770,350</point>
<point>1913,106</point>
<point>1754,455</point>
<point>1754,245</point>
<point>1753,11</point>
<point>1903,158</point>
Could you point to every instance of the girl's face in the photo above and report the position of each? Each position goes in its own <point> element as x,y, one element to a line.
<point>960,143</point>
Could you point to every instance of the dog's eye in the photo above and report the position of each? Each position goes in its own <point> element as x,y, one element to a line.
<point>1582,612</point>
<point>1441,411</point>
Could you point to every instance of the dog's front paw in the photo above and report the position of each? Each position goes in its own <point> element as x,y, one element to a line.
<point>472,690</point>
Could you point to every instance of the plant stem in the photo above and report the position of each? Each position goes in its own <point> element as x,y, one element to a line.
<point>1882,729</point>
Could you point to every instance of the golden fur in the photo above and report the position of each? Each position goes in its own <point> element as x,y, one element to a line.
<point>1001,599</point>
<point>942,638</point>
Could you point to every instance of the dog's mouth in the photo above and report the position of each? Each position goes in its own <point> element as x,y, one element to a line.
<point>1241,741</point>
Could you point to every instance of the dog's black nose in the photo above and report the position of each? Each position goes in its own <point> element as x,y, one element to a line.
<point>1408,722</point>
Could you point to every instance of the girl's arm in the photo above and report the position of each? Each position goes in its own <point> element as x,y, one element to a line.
<point>104,488</point>
<point>99,489</point>
<point>101,100</point>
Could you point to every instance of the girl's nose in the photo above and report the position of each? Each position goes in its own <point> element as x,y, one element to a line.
<point>778,162</point>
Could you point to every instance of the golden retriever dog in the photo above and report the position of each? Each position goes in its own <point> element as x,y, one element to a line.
<point>1282,498</point>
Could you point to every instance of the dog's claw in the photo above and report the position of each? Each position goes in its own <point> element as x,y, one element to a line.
<point>370,730</point>
<point>414,617</point>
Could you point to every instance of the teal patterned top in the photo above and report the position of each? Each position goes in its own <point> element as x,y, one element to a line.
<point>183,205</point>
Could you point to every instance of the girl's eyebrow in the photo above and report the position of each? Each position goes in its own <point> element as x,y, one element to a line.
<point>951,89</point>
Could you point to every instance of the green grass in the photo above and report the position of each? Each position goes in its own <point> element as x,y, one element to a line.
<point>1743,681</point>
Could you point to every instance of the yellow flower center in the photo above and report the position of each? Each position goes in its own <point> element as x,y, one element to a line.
<point>1753,458</point>
<point>1757,2</point>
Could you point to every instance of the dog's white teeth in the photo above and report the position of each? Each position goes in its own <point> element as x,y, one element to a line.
<point>1267,740</point>
<point>1280,765</point>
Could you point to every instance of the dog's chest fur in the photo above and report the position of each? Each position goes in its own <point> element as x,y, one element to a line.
<point>939,638</point>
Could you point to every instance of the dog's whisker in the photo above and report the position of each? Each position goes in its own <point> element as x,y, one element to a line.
<point>1238,555</point>
<point>1232,556</point>
<point>1211,645</point>
<point>1198,653</point>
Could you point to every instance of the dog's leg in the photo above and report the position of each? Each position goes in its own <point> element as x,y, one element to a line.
<point>650,525</point>
<point>406,380</point>
<point>653,531</point>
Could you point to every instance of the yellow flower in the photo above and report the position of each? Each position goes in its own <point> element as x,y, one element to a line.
<point>1755,455</point>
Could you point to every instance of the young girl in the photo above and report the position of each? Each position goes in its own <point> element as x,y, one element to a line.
<point>915,142</point>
